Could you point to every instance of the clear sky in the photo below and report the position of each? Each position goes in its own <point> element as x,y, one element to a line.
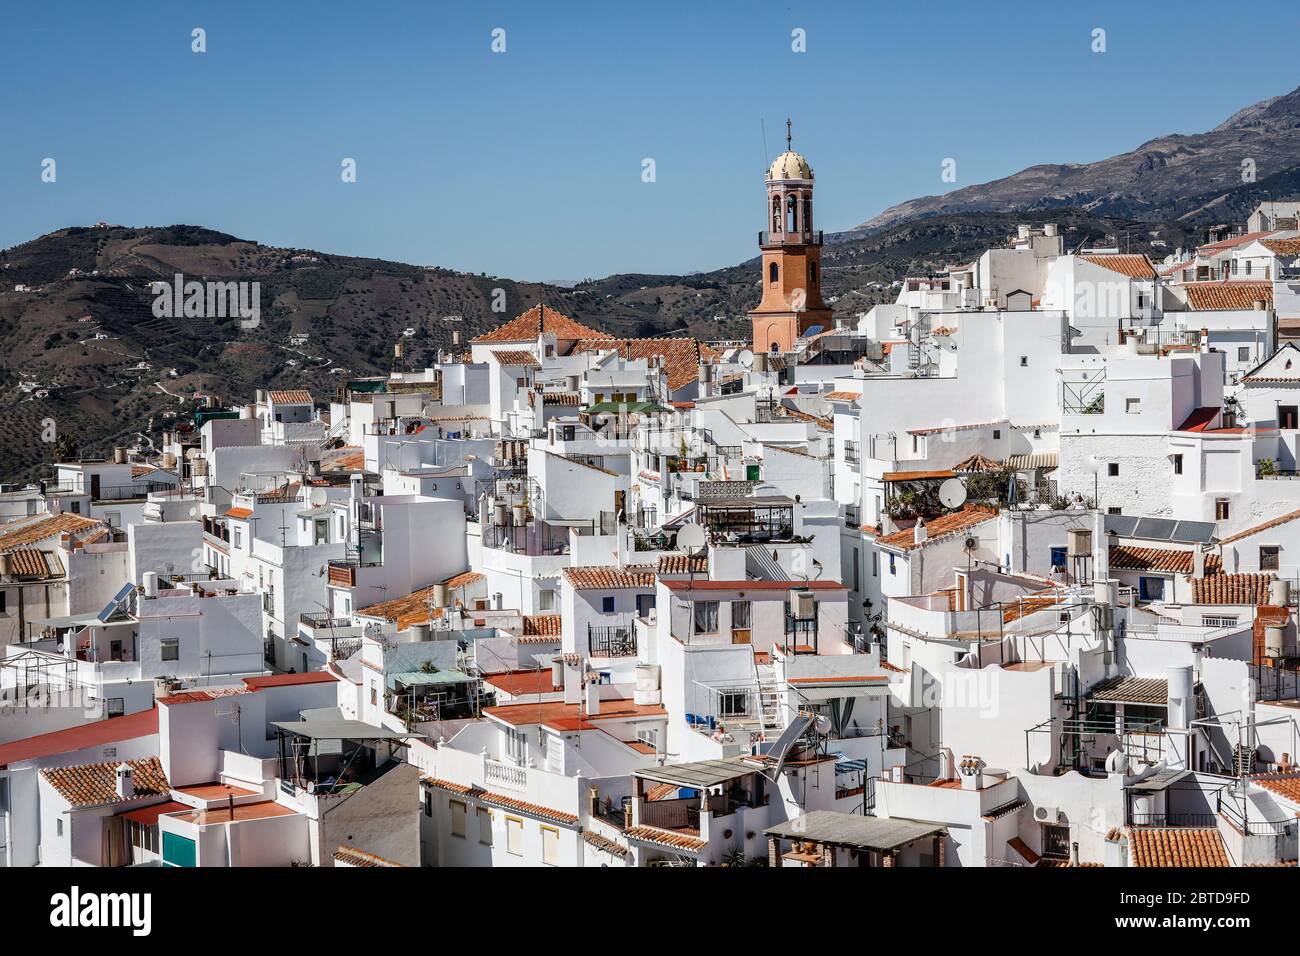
<point>528,163</point>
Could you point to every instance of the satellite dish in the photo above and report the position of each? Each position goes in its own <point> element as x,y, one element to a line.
<point>746,358</point>
<point>691,536</point>
<point>952,493</point>
<point>319,498</point>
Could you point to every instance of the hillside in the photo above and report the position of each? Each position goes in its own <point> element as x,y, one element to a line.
<point>1197,175</point>
<point>125,386</point>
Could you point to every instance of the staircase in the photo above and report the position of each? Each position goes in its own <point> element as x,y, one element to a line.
<point>769,697</point>
<point>1243,761</point>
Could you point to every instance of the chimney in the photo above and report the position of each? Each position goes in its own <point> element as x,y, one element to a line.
<point>125,785</point>
<point>592,697</point>
<point>4,564</point>
<point>919,532</point>
<point>119,456</point>
<point>1198,563</point>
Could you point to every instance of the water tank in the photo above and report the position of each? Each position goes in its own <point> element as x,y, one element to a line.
<point>1273,640</point>
<point>150,580</point>
<point>441,595</point>
<point>1180,696</point>
<point>1279,592</point>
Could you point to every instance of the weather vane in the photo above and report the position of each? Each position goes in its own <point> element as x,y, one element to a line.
<point>788,137</point>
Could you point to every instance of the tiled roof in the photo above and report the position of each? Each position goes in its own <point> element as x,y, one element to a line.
<point>294,396</point>
<point>1125,557</point>
<point>1283,247</point>
<point>1133,266</point>
<point>542,625</point>
<point>464,578</point>
<point>604,843</point>
<point>500,800</point>
<point>606,578</point>
<point>1233,241</point>
<point>558,715</point>
<point>681,357</point>
<point>977,462</point>
<point>683,564</point>
<point>347,458</point>
<point>1267,525</point>
<point>354,857</point>
<point>289,680</point>
<point>405,611</point>
<point>539,319</point>
<point>31,532</point>
<point>96,783</point>
<point>1231,589</point>
<point>842,396</point>
<point>518,683</point>
<point>1217,296</point>
<point>95,734</point>
<point>917,475</point>
<point>941,527</point>
<point>517,357</point>
<point>1131,690</point>
<point>1284,785</point>
<point>668,838</point>
<point>30,563</point>
<point>1031,604</point>
<point>1177,846</point>
<point>240,514</point>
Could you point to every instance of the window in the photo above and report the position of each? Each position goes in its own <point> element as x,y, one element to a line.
<point>1133,406</point>
<point>733,703</point>
<point>516,744</point>
<point>170,649</point>
<point>116,708</point>
<point>706,617</point>
<point>1268,557</point>
<point>1058,559</point>
<point>428,803</point>
<point>1243,353</point>
<point>742,612</point>
<point>58,827</point>
<point>485,826</point>
<point>1220,509</point>
<point>374,695</point>
<point>1218,621</point>
<point>1151,589</point>
<point>3,596</point>
<point>812,273</point>
<point>1112,469</point>
<point>607,605</point>
<point>1178,464</point>
<point>1024,361</point>
<point>857,562</point>
<point>458,810</point>
<point>875,564</point>
<point>546,599</point>
<point>237,538</point>
<point>773,271</point>
<point>514,836</point>
<point>892,568</point>
<point>997,434</point>
<point>1286,417</point>
<point>1114,511</point>
<point>550,846</point>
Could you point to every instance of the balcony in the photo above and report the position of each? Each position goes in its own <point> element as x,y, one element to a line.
<point>343,574</point>
<point>611,641</point>
<point>851,455</point>
<point>808,238</point>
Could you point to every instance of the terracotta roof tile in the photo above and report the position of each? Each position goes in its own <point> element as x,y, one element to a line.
<point>941,527</point>
<point>31,532</point>
<point>351,856</point>
<point>1267,525</point>
<point>668,838</point>
<point>558,715</point>
<point>681,357</point>
<point>517,358</point>
<point>528,326</point>
<point>1177,846</point>
<point>464,578</point>
<point>240,514</point>
<point>294,396</point>
<point>683,564</point>
<point>502,801</point>
<point>606,578</point>
<point>95,734</point>
<point>1217,296</point>
<point>405,611</point>
<point>1283,247</point>
<point>542,625</point>
<point>1125,557</point>
<point>1233,241</point>
<point>96,783</point>
<point>842,396</point>
<point>1231,589</point>
<point>521,682</point>
<point>604,843</point>
<point>29,563</point>
<point>1133,266</point>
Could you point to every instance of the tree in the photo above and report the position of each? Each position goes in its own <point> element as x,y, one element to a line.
<point>66,447</point>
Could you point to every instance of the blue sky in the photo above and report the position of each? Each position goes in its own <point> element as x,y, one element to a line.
<point>528,163</point>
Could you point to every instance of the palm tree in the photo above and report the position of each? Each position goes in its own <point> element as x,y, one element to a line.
<point>66,447</point>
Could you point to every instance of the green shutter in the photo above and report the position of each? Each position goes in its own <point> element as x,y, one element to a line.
<point>178,850</point>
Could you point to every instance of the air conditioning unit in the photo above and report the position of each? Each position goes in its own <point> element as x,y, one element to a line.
<point>1047,815</point>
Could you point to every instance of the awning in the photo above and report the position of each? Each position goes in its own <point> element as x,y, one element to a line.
<point>844,765</point>
<point>336,729</point>
<point>422,679</point>
<point>1038,459</point>
<point>847,829</point>
<point>149,815</point>
<point>702,774</point>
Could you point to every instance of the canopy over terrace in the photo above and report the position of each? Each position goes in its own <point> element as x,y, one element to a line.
<point>765,518</point>
<point>332,753</point>
<point>857,832</point>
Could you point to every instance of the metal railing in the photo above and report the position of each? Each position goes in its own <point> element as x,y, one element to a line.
<point>611,641</point>
<point>807,237</point>
<point>1172,819</point>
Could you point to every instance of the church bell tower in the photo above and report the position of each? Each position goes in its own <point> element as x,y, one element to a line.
<point>792,250</point>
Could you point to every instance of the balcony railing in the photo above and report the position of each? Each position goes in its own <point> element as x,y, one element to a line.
<point>1173,819</point>
<point>323,621</point>
<point>507,775</point>
<point>812,238</point>
<point>610,641</point>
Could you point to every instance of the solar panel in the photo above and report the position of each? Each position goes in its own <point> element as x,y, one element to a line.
<point>1122,525</point>
<point>1201,532</point>
<point>1155,529</point>
<point>126,591</point>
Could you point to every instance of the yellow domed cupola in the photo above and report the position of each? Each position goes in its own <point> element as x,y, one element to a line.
<point>789,166</point>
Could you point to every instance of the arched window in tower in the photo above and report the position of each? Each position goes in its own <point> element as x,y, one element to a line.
<point>791,214</point>
<point>807,214</point>
<point>812,273</point>
<point>773,273</point>
<point>776,213</point>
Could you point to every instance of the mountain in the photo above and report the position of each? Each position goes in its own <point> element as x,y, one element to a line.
<point>1195,175</point>
<point>82,348</point>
